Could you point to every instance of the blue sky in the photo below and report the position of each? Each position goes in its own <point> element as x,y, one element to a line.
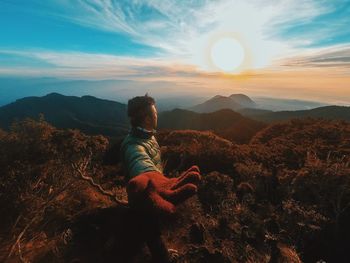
<point>32,25</point>
<point>158,39</point>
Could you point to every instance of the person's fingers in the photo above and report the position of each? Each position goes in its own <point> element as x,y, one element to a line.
<point>191,177</point>
<point>159,203</point>
<point>193,168</point>
<point>173,255</point>
<point>180,194</point>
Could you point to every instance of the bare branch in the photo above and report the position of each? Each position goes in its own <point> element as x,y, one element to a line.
<point>41,208</point>
<point>81,168</point>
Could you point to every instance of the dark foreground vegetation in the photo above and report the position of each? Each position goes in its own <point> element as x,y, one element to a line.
<point>283,197</point>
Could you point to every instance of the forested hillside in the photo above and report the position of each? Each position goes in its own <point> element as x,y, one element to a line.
<point>282,197</point>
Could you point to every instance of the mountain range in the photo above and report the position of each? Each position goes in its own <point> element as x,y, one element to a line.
<point>327,112</point>
<point>249,108</point>
<point>167,95</point>
<point>235,117</point>
<point>225,123</point>
<point>87,113</point>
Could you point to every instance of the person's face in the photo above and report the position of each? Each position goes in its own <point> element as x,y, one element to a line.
<point>152,119</point>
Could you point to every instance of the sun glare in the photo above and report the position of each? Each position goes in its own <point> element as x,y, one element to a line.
<point>227,54</point>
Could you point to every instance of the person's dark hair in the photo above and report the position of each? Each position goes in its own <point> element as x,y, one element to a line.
<point>138,108</point>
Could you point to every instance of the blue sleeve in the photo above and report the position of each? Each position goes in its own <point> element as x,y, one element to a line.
<point>137,160</point>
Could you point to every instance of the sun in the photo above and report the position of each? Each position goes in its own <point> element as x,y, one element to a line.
<point>227,54</point>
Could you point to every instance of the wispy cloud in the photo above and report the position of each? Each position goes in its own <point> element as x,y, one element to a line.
<point>336,59</point>
<point>270,31</point>
<point>186,29</point>
<point>95,66</point>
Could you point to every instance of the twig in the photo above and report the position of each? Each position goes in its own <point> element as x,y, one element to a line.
<point>19,237</point>
<point>80,169</point>
<point>20,253</point>
<point>41,208</point>
<point>16,222</point>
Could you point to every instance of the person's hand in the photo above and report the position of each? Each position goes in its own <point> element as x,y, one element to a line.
<point>173,255</point>
<point>154,190</point>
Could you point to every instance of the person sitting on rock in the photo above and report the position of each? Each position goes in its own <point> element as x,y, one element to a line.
<point>150,192</point>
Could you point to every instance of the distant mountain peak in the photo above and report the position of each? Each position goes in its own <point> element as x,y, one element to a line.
<point>89,97</point>
<point>54,94</point>
<point>239,95</point>
<point>61,96</point>
<point>218,102</point>
<point>241,98</point>
<point>218,97</point>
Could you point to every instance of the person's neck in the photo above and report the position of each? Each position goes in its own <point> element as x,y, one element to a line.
<point>147,129</point>
<point>142,132</point>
